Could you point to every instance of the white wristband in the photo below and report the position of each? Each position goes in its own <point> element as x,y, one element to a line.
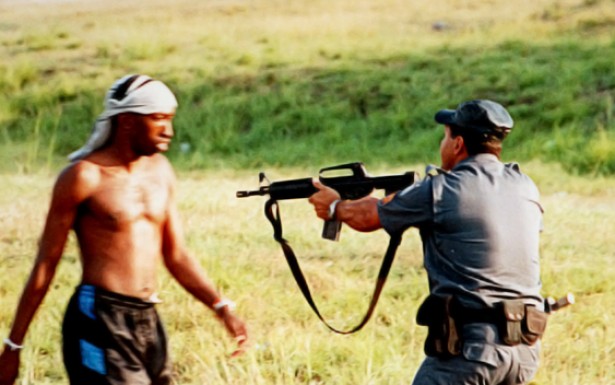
<point>12,345</point>
<point>219,304</point>
<point>332,208</point>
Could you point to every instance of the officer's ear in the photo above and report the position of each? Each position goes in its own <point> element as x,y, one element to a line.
<point>459,146</point>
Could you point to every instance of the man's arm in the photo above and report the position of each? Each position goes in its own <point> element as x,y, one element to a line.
<point>190,275</point>
<point>360,214</point>
<point>62,211</point>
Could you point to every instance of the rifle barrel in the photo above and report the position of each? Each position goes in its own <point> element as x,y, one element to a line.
<point>245,194</point>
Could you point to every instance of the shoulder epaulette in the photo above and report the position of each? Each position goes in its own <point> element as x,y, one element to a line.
<point>513,165</point>
<point>433,170</point>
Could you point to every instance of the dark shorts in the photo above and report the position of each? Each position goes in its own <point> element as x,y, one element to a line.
<point>112,339</point>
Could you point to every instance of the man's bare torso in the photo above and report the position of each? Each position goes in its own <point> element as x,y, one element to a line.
<point>120,225</point>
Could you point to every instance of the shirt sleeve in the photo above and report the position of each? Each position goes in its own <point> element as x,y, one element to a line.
<point>412,206</point>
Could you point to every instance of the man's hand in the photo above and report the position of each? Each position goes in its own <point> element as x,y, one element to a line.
<point>360,214</point>
<point>322,199</point>
<point>9,366</point>
<point>236,328</point>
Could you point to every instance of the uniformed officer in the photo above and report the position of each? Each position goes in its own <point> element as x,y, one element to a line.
<point>479,221</point>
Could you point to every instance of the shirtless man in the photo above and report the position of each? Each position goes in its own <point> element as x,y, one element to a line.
<point>118,196</point>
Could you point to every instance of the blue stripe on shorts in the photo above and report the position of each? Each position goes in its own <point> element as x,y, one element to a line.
<point>93,357</point>
<point>86,300</point>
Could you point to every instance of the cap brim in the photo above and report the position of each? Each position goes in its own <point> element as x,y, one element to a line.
<point>445,116</point>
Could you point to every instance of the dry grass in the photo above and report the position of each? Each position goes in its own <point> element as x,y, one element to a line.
<point>290,346</point>
<point>74,46</point>
<point>213,37</point>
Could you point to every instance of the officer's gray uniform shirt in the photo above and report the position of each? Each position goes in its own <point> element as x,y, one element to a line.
<point>480,226</point>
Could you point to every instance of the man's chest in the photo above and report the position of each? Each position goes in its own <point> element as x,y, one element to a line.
<point>123,200</point>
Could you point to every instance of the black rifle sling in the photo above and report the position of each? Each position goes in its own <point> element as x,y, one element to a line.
<point>276,222</point>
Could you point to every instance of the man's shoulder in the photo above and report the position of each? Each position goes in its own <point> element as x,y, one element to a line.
<point>160,164</point>
<point>80,174</point>
<point>81,170</point>
<point>77,181</point>
<point>160,160</point>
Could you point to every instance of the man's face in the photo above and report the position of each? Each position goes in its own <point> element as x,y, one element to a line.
<point>447,149</point>
<point>153,133</point>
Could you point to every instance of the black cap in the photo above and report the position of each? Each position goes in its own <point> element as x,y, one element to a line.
<point>482,116</point>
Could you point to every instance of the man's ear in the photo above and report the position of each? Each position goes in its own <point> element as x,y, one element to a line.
<point>125,120</point>
<point>460,144</point>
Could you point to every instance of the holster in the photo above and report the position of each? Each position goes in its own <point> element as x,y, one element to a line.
<point>442,336</point>
<point>534,325</point>
<point>522,323</point>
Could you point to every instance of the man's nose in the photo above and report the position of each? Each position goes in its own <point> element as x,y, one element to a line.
<point>168,129</point>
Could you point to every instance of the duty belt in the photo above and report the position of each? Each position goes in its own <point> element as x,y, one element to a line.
<point>465,316</point>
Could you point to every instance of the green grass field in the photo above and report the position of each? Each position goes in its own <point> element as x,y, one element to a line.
<point>313,82</point>
<point>291,86</point>
<point>290,346</point>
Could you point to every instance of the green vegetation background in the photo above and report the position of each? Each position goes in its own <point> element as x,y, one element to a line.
<point>289,86</point>
<point>314,83</point>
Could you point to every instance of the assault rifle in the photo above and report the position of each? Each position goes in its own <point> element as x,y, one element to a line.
<point>351,181</point>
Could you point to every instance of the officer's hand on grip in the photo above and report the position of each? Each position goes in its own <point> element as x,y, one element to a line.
<point>322,199</point>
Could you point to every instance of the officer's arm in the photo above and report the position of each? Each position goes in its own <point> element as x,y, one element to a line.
<point>360,214</point>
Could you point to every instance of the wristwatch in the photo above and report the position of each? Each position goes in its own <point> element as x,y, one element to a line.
<point>332,208</point>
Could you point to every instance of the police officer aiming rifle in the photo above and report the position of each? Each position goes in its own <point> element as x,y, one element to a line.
<point>479,220</point>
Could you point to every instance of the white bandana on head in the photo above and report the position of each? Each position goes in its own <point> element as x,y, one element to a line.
<point>132,93</point>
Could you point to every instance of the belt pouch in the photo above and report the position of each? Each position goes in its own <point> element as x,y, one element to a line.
<point>533,325</point>
<point>442,335</point>
<point>514,313</point>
